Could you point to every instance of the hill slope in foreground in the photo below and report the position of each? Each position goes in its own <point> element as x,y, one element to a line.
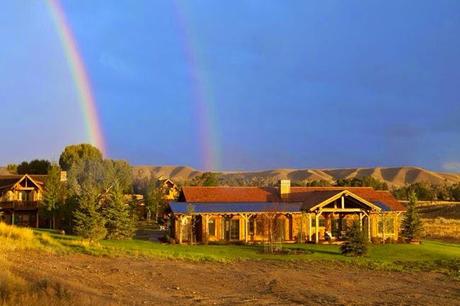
<point>397,176</point>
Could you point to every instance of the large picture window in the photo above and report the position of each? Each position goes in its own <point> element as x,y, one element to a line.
<point>212,227</point>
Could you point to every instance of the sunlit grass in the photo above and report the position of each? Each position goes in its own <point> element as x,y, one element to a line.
<point>430,255</point>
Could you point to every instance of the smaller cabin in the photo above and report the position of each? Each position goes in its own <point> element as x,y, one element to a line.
<point>169,189</point>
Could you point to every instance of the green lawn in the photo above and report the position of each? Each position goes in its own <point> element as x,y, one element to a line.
<point>430,255</point>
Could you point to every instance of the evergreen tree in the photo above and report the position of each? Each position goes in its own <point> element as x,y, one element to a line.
<point>120,222</point>
<point>355,244</point>
<point>89,221</point>
<point>412,226</point>
<point>53,198</point>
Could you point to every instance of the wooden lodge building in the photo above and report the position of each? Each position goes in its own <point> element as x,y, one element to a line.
<point>20,196</point>
<point>285,214</point>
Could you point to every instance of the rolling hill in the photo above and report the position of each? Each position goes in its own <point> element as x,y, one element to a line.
<point>394,176</point>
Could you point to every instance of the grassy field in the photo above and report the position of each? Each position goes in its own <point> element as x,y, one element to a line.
<point>13,238</point>
<point>441,220</point>
<point>429,256</point>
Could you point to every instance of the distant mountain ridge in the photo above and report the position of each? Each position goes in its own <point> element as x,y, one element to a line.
<point>393,176</point>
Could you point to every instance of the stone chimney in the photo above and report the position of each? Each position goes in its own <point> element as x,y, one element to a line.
<point>285,188</point>
<point>63,176</point>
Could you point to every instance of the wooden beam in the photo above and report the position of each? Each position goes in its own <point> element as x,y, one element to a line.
<point>344,210</point>
<point>343,202</point>
<point>309,227</point>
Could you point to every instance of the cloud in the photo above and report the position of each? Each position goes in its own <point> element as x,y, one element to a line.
<point>451,166</point>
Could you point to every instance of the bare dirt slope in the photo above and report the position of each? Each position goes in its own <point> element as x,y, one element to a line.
<point>128,281</point>
<point>396,176</point>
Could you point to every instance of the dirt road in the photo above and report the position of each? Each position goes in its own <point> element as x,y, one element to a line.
<point>127,281</point>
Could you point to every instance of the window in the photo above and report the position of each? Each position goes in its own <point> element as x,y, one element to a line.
<point>251,227</point>
<point>321,222</point>
<point>234,229</point>
<point>279,230</point>
<point>212,227</point>
<point>260,226</point>
<point>389,225</point>
<point>26,196</point>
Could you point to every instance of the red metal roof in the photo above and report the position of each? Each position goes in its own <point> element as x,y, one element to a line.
<point>271,194</point>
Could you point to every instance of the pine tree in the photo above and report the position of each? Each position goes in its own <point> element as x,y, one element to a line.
<point>120,222</point>
<point>355,244</point>
<point>412,226</point>
<point>89,221</point>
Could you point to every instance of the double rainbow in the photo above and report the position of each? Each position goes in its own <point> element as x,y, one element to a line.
<point>202,95</point>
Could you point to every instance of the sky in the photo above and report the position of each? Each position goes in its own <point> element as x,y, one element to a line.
<point>238,85</point>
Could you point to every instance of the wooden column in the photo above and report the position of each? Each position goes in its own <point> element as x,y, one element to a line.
<point>246,228</point>
<point>309,227</point>
<point>369,226</point>
<point>301,226</point>
<point>180,229</point>
<point>316,227</point>
<point>383,228</point>
<point>205,235</point>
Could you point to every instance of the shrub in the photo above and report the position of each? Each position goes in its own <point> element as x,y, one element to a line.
<point>355,244</point>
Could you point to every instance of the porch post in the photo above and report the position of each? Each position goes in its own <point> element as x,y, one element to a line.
<point>360,221</point>
<point>205,235</point>
<point>12,217</point>
<point>316,227</point>
<point>246,228</point>
<point>302,218</point>
<point>383,228</point>
<point>309,227</point>
<point>180,229</point>
<point>369,226</point>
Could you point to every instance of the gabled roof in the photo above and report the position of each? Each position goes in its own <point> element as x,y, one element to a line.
<point>338,195</point>
<point>308,195</point>
<point>9,181</point>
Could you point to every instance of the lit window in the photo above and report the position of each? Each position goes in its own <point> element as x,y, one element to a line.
<point>212,227</point>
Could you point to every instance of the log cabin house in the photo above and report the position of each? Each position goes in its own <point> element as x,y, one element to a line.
<point>20,196</point>
<point>285,214</point>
